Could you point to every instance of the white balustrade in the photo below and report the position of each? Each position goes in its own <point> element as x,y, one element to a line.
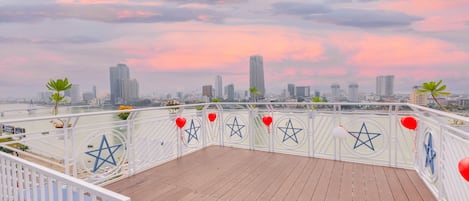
<point>99,148</point>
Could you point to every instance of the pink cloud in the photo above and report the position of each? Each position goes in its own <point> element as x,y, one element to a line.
<point>106,2</point>
<point>217,47</point>
<point>439,15</point>
<point>398,51</point>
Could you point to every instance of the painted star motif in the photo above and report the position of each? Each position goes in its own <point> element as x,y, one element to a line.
<point>236,131</point>
<point>368,140</point>
<point>100,160</point>
<point>290,135</point>
<point>192,132</point>
<point>430,154</point>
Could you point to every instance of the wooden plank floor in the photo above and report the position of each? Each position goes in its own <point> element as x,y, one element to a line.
<point>222,173</point>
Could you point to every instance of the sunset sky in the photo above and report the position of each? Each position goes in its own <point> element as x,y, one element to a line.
<point>180,45</point>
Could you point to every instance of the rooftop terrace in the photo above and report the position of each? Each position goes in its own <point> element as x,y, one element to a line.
<point>226,152</point>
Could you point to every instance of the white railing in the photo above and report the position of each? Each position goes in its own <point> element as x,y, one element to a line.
<point>100,148</point>
<point>23,180</point>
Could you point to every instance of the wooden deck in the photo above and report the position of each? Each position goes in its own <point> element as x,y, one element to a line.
<point>222,173</point>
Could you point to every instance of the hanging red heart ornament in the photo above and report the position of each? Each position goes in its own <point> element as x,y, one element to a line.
<point>267,120</point>
<point>463,167</point>
<point>409,122</point>
<point>180,122</point>
<point>212,116</point>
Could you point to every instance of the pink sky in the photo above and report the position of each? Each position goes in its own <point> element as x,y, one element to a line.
<point>181,45</point>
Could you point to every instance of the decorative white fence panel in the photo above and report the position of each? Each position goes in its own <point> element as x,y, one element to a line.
<point>100,148</point>
<point>22,180</point>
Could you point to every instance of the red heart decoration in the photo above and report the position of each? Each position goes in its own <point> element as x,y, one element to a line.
<point>212,116</point>
<point>180,122</point>
<point>409,122</point>
<point>267,120</point>
<point>464,168</point>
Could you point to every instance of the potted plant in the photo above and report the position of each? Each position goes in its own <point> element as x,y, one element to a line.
<point>172,110</point>
<point>199,109</point>
<point>58,87</point>
<point>124,115</point>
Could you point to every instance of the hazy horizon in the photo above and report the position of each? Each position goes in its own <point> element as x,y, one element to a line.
<point>180,45</point>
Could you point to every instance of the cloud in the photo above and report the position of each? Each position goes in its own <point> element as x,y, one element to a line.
<point>402,55</point>
<point>207,1</point>
<point>212,47</point>
<point>296,8</point>
<point>360,18</point>
<point>439,15</point>
<point>364,18</point>
<point>69,40</point>
<point>107,13</point>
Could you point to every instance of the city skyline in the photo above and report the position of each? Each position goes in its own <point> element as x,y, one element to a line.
<point>182,45</point>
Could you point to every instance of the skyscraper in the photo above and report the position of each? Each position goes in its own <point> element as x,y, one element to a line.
<point>230,92</point>
<point>133,89</point>
<point>218,87</point>
<point>385,85</point>
<point>335,88</point>
<point>256,75</point>
<point>353,93</point>
<point>291,90</point>
<point>75,94</point>
<point>119,77</point>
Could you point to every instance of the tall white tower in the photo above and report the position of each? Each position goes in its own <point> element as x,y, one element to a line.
<point>256,75</point>
<point>353,92</point>
<point>385,85</point>
<point>218,87</point>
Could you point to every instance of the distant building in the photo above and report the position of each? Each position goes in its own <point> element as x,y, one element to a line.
<point>291,90</point>
<point>230,92</point>
<point>218,87</point>
<point>119,77</point>
<point>75,94</point>
<point>353,93</point>
<point>256,75</point>
<point>417,97</point>
<point>88,97</point>
<point>385,85</point>
<point>335,95</point>
<point>207,91</point>
<point>303,91</point>
<point>133,89</point>
<point>95,95</point>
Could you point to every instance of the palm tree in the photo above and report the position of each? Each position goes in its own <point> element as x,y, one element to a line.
<point>58,86</point>
<point>435,90</point>
<point>254,92</point>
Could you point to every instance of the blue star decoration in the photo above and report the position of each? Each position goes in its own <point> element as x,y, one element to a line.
<point>192,132</point>
<point>104,147</point>
<point>237,130</point>
<point>430,154</point>
<point>368,139</point>
<point>292,134</point>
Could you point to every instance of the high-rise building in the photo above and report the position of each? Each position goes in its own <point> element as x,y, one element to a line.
<point>95,95</point>
<point>353,93</point>
<point>218,87</point>
<point>256,75</point>
<point>385,85</point>
<point>230,92</point>
<point>133,89</point>
<point>119,77</point>
<point>75,94</point>
<point>335,96</point>
<point>417,97</point>
<point>291,90</point>
<point>303,91</point>
<point>207,91</point>
<point>317,93</point>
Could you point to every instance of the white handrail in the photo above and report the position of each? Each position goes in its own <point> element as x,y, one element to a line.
<point>18,169</point>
